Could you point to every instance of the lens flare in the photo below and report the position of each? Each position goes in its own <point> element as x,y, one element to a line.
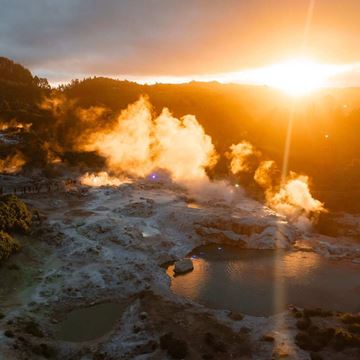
<point>296,77</point>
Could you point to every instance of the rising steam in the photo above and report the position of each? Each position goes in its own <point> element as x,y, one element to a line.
<point>139,143</point>
<point>14,124</point>
<point>295,201</point>
<point>291,198</point>
<point>102,178</point>
<point>12,163</point>
<point>240,155</point>
<point>266,174</point>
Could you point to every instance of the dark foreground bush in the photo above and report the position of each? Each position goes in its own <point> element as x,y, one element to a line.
<point>14,214</point>
<point>14,217</point>
<point>8,245</point>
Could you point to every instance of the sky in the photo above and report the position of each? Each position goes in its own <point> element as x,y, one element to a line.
<point>176,40</point>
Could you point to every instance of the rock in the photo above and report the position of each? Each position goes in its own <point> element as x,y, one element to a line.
<point>303,324</point>
<point>149,347</point>
<point>102,208</point>
<point>79,222</point>
<point>268,338</point>
<point>216,345</point>
<point>32,328</point>
<point>183,266</point>
<point>235,316</point>
<point>142,209</point>
<point>164,260</point>
<point>315,356</point>
<point>9,334</point>
<point>137,328</point>
<point>176,348</point>
<point>280,353</point>
<point>44,350</point>
<point>143,315</point>
<point>244,330</point>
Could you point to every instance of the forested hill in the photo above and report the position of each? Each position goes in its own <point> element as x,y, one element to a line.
<point>20,91</point>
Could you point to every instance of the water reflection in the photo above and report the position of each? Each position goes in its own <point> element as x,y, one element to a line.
<point>198,278</point>
<point>264,282</point>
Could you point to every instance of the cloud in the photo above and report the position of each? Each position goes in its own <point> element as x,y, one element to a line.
<point>61,39</point>
<point>109,36</point>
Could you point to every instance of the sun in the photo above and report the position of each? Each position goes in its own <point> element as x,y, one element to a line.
<point>296,77</point>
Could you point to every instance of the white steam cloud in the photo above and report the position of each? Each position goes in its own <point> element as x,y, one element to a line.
<point>291,198</point>
<point>140,143</point>
<point>240,155</point>
<point>294,200</point>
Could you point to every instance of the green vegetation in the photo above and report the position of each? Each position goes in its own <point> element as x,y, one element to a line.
<point>14,214</point>
<point>350,318</point>
<point>19,91</point>
<point>14,217</point>
<point>8,245</point>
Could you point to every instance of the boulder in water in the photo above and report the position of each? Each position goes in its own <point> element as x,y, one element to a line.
<point>183,266</point>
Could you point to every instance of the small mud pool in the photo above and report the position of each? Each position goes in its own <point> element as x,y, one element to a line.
<point>89,323</point>
<point>255,281</point>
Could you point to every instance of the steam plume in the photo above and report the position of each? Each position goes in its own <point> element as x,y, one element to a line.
<point>102,178</point>
<point>14,124</point>
<point>266,174</point>
<point>240,155</point>
<point>292,198</point>
<point>140,143</point>
<point>12,163</point>
<point>295,201</point>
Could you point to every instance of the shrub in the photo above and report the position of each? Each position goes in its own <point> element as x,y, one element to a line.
<point>348,318</point>
<point>8,245</point>
<point>344,339</point>
<point>316,312</point>
<point>14,214</point>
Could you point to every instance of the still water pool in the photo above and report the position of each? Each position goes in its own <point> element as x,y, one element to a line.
<point>264,282</point>
<point>90,322</point>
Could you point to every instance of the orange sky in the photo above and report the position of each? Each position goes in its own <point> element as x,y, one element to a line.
<point>154,38</point>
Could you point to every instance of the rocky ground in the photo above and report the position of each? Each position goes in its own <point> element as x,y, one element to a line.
<point>91,246</point>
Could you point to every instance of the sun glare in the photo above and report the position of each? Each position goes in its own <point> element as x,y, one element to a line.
<point>296,77</point>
